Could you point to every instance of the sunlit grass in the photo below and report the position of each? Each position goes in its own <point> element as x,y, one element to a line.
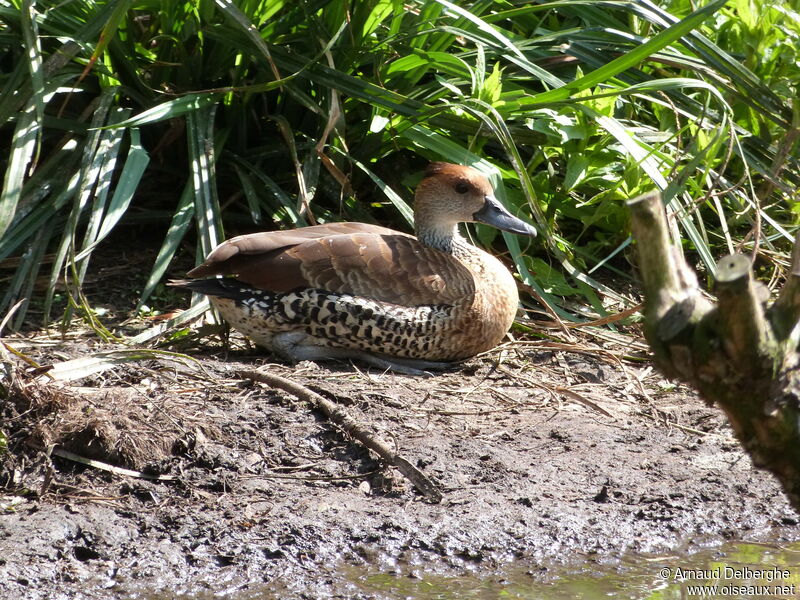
<point>294,113</point>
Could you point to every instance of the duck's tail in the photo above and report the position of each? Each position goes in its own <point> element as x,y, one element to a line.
<point>222,287</point>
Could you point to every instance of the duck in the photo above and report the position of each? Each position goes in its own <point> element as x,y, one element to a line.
<point>363,292</point>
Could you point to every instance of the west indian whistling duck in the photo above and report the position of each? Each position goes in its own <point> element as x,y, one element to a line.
<point>364,292</point>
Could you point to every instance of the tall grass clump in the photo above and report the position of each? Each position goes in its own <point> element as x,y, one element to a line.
<point>200,118</point>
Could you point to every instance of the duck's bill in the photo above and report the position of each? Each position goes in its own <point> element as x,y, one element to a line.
<point>493,213</point>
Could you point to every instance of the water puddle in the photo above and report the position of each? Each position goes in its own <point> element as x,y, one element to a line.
<point>736,570</point>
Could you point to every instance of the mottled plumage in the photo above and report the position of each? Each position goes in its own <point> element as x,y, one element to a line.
<point>353,290</point>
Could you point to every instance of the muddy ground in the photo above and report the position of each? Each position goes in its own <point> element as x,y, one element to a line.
<point>550,451</point>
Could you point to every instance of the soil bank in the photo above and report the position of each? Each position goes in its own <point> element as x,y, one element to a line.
<point>543,455</point>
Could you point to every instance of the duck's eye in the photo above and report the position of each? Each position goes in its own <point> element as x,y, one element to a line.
<point>462,187</point>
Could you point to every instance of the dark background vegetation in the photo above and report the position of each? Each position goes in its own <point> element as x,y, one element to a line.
<point>182,123</point>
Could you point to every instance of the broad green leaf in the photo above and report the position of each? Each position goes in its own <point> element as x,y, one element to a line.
<point>551,280</point>
<point>492,86</point>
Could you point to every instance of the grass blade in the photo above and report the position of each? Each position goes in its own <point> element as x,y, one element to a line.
<point>108,151</point>
<point>401,205</point>
<point>129,179</point>
<point>30,33</point>
<point>23,145</point>
<point>200,136</point>
<point>181,220</point>
<point>171,109</point>
<point>634,57</point>
<point>78,368</point>
<point>184,317</point>
<point>91,163</point>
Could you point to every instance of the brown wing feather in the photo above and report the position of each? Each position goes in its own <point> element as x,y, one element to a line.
<point>354,258</point>
<point>265,242</point>
<point>392,268</point>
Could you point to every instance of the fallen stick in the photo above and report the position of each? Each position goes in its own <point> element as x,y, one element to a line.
<point>97,464</point>
<point>358,431</point>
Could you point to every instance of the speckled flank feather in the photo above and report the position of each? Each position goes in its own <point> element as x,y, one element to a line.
<point>371,290</point>
<point>341,321</point>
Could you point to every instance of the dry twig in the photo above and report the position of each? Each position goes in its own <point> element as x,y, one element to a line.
<point>353,428</point>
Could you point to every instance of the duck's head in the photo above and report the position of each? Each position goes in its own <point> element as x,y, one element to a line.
<point>452,194</point>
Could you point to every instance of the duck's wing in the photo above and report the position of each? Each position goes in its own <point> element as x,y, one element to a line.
<point>351,258</point>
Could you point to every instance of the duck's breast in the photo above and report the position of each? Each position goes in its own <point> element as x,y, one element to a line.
<point>494,306</point>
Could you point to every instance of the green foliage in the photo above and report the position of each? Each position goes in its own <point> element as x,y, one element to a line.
<point>291,113</point>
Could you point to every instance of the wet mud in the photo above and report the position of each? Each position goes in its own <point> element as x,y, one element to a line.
<point>543,454</point>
